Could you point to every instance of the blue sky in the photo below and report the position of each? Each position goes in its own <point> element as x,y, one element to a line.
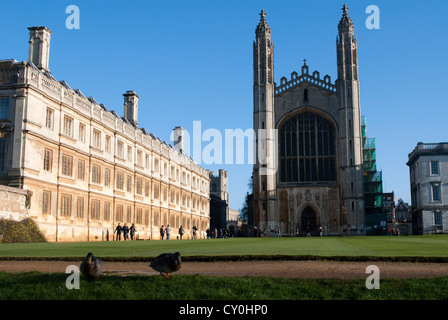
<point>192,60</point>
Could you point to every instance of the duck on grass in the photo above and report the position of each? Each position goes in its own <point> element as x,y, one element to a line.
<point>91,267</point>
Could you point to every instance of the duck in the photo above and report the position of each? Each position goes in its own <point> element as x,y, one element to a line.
<point>91,267</point>
<point>167,263</point>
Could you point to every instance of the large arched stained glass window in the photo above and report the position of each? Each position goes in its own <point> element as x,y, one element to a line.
<point>307,149</point>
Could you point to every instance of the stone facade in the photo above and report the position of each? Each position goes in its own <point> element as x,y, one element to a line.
<point>219,185</point>
<point>219,193</point>
<point>316,179</point>
<point>428,169</point>
<point>233,219</point>
<point>87,167</point>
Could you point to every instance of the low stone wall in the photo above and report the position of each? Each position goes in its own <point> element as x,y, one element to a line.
<point>14,203</point>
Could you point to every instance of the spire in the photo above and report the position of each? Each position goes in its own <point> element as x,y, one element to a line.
<point>305,69</point>
<point>346,24</point>
<point>263,15</point>
<point>263,27</point>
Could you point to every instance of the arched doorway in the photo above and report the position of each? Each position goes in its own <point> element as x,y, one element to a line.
<point>308,222</point>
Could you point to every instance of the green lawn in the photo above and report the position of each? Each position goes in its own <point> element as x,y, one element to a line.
<point>51,286</point>
<point>385,246</point>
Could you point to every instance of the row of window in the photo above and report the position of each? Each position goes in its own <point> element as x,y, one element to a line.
<point>68,130</point>
<point>122,213</point>
<point>95,210</point>
<point>123,182</point>
<point>67,169</point>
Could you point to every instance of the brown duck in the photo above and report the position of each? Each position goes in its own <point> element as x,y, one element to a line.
<point>91,267</point>
<point>166,263</point>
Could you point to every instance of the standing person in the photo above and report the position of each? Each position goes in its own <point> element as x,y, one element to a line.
<point>194,232</point>
<point>168,231</point>
<point>181,232</point>
<point>125,232</point>
<point>132,231</point>
<point>320,231</point>
<point>162,231</point>
<point>118,230</point>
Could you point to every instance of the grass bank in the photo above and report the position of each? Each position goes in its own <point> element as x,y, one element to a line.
<point>389,248</point>
<point>40,286</point>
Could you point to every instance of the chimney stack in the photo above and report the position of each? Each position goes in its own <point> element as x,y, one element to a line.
<point>39,47</point>
<point>131,106</point>
<point>179,138</point>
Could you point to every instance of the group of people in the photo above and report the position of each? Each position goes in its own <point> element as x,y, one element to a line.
<point>167,231</point>
<point>393,232</point>
<point>219,233</point>
<point>126,232</point>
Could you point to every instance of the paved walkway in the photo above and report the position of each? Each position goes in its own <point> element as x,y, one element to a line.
<point>286,269</point>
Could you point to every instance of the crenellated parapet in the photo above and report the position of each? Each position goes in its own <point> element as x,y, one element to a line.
<point>305,77</point>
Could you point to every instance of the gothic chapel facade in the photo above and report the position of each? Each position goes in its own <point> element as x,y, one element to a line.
<point>317,178</point>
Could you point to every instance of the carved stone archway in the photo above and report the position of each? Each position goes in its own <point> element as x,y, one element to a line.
<point>308,217</point>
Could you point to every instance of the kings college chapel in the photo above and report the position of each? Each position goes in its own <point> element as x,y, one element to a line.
<point>316,182</point>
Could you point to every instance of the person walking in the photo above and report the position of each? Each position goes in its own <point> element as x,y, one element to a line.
<point>168,232</point>
<point>125,232</point>
<point>320,231</point>
<point>194,232</point>
<point>132,231</point>
<point>162,231</point>
<point>181,232</point>
<point>118,230</point>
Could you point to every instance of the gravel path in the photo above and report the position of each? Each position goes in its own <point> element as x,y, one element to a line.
<point>286,269</point>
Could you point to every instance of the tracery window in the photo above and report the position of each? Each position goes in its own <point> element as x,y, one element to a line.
<point>307,149</point>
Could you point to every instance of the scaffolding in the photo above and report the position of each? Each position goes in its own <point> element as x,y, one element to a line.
<point>373,185</point>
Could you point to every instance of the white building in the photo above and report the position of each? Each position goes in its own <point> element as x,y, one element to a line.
<point>428,169</point>
<point>233,219</point>
<point>87,167</point>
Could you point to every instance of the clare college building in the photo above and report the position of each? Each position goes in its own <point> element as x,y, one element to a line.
<point>86,168</point>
